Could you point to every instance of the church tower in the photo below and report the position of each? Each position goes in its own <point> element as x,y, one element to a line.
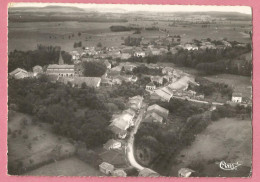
<point>61,61</point>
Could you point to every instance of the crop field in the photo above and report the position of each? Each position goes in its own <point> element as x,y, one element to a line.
<point>31,144</point>
<point>27,35</point>
<point>67,167</point>
<point>220,141</point>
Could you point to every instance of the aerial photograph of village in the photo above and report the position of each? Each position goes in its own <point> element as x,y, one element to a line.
<point>129,90</point>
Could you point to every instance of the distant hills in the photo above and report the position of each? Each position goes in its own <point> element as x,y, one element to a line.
<point>104,11</point>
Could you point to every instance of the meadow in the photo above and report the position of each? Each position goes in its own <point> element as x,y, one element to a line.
<point>32,145</point>
<point>219,141</point>
<point>68,167</point>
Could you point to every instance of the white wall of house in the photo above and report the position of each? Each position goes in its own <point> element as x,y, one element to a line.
<point>237,99</point>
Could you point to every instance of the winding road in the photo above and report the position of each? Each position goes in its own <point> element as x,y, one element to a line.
<point>130,147</point>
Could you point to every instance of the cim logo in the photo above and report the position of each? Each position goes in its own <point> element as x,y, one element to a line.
<point>229,166</point>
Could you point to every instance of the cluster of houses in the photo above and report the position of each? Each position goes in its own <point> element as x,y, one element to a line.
<point>205,44</point>
<point>121,122</point>
<point>177,85</point>
<point>119,125</point>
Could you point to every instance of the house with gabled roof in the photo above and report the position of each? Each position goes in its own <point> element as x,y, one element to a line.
<point>119,173</point>
<point>146,172</point>
<point>19,73</point>
<point>150,86</point>
<point>155,108</point>
<point>153,117</point>
<point>237,97</point>
<point>112,144</point>
<point>165,96</point>
<point>106,168</point>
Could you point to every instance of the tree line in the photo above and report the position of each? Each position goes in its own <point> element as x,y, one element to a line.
<point>43,55</point>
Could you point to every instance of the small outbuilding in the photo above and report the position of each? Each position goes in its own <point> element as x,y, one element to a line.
<point>119,173</point>
<point>185,172</point>
<point>237,97</point>
<point>106,168</point>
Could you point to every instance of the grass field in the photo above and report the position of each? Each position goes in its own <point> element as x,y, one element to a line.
<point>33,144</point>
<point>227,139</point>
<point>26,35</point>
<point>67,167</point>
<point>239,83</point>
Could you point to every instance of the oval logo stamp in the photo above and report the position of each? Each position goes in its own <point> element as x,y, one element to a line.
<point>229,166</point>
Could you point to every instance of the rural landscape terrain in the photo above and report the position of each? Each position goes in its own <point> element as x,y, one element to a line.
<point>97,91</point>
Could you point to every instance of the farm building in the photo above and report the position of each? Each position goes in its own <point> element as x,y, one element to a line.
<point>237,97</point>
<point>182,83</point>
<point>122,121</point>
<point>106,168</point>
<point>165,96</point>
<point>159,110</point>
<point>112,144</point>
<point>19,73</point>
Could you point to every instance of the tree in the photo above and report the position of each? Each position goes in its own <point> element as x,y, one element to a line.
<point>93,69</point>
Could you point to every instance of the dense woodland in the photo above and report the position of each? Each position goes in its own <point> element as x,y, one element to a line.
<point>43,55</point>
<point>57,104</point>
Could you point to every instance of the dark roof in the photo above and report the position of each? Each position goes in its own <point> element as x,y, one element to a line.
<point>150,84</point>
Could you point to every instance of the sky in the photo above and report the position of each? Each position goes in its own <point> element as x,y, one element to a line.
<point>153,8</point>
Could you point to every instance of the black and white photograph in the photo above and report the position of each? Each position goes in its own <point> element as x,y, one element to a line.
<point>129,90</point>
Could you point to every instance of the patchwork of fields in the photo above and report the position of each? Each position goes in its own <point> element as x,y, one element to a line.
<point>27,35</point>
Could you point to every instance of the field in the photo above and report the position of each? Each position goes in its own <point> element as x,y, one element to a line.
<point>67,167</point>
<point>242,84</point>
<point>31,145</point>
<point>227,139</point>
<point>27,35</point>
